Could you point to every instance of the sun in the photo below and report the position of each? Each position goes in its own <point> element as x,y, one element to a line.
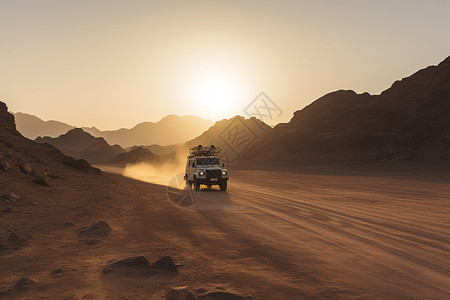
<point>216,96</point>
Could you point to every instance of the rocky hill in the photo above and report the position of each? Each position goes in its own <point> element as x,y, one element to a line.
<point>82,145</point>
<point>158,149</point>
<point>406,125</point>
<point>234,136</point>
<point>137,155</point>
<point>24,160</point>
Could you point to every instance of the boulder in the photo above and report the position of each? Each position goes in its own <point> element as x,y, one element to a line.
<point>80,164</point>
<point>180,293</point>
<point>97,230</point>
<point>17,240</point>
<point>41,178</point>
<point>165,265</point>
<point>137,262</point>
<point>201,290</point>
<point>25,168</point>
<point>221,296</point>
<point>25,282</point>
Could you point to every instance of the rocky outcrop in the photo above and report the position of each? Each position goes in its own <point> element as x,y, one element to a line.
<point>405,125</point>
<point>137,155</point>
<point>36,162</point>
<point>81,145</point>
<point>7,122</point>
<point>233,136</point>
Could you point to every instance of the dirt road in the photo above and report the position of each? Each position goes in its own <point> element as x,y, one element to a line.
<point>333,235</point>
<point>272,235</point>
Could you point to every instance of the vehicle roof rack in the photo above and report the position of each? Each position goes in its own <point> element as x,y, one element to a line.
<point>204,151</point>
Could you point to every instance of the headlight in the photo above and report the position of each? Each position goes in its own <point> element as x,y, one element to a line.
<point>224,173</point>
<point>201,173</point>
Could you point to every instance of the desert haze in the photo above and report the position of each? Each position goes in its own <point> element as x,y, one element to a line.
<point>361,229</point>
<point>169,130</point>
<point>224,150</point>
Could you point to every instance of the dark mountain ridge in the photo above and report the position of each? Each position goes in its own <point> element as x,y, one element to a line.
<point>408,123</point>
<point>22,159</point>
<point>137,155</point>
<point>80,144</point>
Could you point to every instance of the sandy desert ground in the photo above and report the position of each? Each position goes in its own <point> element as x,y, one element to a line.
<point>272,235</point>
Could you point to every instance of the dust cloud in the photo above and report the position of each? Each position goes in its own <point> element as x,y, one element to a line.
<point>161,173</point>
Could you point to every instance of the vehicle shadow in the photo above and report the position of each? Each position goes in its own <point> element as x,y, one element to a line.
<point>203,199</point>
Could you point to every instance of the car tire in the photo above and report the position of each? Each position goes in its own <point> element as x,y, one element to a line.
<point>196,185</point>
<point>223,186</point>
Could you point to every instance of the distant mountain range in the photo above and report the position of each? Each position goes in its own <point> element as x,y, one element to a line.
<point>170,130</point>
<point>407,124</point>
<point>31,126</point>
<point>80,144</point>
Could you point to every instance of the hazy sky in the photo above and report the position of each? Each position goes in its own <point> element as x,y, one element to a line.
<point>116,63</point>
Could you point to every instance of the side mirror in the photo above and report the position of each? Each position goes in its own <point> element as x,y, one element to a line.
<point>223,165</point>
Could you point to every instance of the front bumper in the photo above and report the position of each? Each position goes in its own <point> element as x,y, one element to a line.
<point>211,181</point>
<point>213,176</point>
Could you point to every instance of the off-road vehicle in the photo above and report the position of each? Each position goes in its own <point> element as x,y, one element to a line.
<point>203,166</point>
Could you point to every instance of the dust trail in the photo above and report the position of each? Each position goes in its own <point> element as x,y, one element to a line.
<point>160,173</point>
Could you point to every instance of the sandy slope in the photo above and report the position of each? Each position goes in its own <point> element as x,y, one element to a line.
<point>282,236</point>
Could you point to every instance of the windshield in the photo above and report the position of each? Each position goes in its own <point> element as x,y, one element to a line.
<point>208,161</point>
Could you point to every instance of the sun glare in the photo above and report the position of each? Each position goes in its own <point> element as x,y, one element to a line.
<point>216,96</point>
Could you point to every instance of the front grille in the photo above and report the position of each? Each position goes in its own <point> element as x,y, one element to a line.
<point>213,173</point>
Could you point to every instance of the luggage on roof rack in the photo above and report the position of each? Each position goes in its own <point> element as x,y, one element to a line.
<point>204,151</point>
